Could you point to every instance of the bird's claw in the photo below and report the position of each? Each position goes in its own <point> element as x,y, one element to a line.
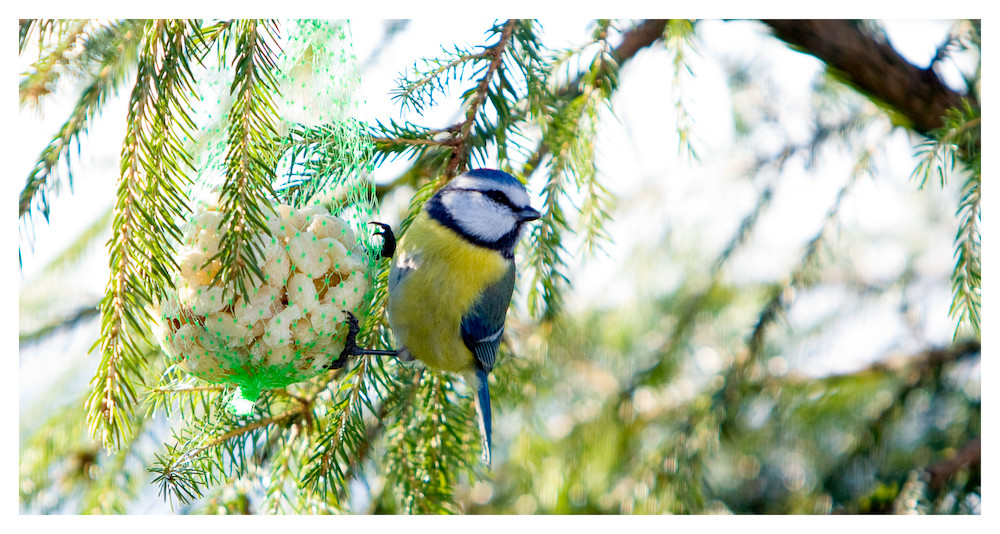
<point>350,343</point>
<point>388,239</point>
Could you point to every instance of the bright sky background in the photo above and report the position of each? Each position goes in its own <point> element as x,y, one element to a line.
<point>96,170</point>
<point>637,153</point>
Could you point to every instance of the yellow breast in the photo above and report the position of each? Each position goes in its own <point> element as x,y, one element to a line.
<point>426,307</point>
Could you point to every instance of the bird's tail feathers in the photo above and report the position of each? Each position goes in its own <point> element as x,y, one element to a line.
<point>484,415</point>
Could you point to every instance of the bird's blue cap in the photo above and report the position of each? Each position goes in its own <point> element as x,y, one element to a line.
<point>495,175</point>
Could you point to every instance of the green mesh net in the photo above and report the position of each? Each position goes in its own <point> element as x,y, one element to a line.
<point>318,254</point>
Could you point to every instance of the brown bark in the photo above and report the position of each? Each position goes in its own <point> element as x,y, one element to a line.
<point>639,37</point>
<point>969,456</point>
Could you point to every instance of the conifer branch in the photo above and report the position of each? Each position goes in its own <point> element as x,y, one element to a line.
<point>564,141</point>
<point>967,276</point>
<point>956,147</point>
<point>405,141</point>
<point>25,27</point>
<point>412,92</point>
<point>243,429</point>
<point>118,326</point>
<point>107,57</point>
<point>204,453</point>
<point>599,83</point>
<point>329,467</point>
<point>679,39</point>
<point>634,40</point>
<point>475,130</point>
<point>150,201</point>
<point>428,444</point>
<point>186,389</point>
<point>47,30</point>
<point>569,136</point>
<point>53,60</point>
<point>181,397</point>
<point>435,470</point>
<point>400,408</point>
<point>410,141</point>
<point>546,257</point>
<point>460,154</point>
<point>251,156</point>
<point>283,469</point>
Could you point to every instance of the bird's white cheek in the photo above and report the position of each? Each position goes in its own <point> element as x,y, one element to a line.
<point>480,218</point>
<point>488,228</point>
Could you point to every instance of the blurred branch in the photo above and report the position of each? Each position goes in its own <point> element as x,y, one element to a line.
<point>392,30</point>
<point>926,368</point>
<point>969,455</point>
<point>922,362</point>
<point>639,37</point>
<point>739,380</point>
<point>67,322</point>
<point>940,356</point>
<point>42,77</point>
<point>926,365</point>
<point>875,68</point>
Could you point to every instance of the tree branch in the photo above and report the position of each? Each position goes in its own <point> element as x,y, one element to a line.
<point>969,455</point>
<point>924,363</point>
<point>67,322</point>
<point>639,37</point>
<point>874,68</point>
<point>460,155</point>
<point>926,366</point>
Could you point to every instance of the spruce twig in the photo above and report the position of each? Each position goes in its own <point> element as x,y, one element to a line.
<point>150,201</point>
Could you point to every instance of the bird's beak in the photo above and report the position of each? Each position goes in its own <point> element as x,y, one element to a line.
<point>528,214</point>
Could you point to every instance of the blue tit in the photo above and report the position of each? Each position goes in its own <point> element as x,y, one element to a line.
<point>452,278</point>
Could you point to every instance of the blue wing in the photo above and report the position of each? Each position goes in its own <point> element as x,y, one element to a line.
<point>482,328</point>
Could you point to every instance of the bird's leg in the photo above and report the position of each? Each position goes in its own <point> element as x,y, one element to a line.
<point>350,344</point>
<point>351,347</point>
<point>388,239</point>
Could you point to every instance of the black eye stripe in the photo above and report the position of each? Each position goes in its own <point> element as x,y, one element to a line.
<point>496,196</point>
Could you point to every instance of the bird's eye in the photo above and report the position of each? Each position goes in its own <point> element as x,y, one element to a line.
<point>498,197</point>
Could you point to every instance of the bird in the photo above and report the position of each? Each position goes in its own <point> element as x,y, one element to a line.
<point>451,280</point>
